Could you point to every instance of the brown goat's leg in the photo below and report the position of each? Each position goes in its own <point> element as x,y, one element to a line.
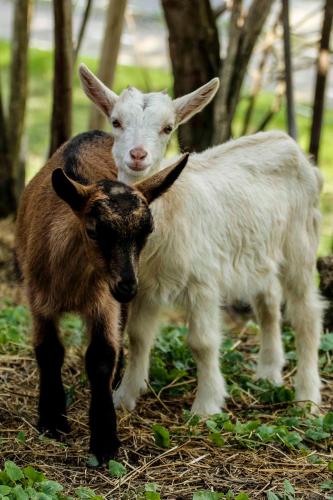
<point>101,361</point>
<point>50,355</point>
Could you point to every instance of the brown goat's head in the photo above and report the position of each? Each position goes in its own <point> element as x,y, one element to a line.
<point>116,221</point>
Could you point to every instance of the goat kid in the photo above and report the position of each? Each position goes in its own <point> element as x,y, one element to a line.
<point>240,225</point>
<point>79,237</point>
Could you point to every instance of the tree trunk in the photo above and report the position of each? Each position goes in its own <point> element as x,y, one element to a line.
<point>7,188</point>
<point>195,57</point>
<point>109,54</point>
<point>18,90</point>
<point>82,30</point>
<point>243,34</point>
<point>291,120</point>
<point>322,70</point>
<point>61,124</point>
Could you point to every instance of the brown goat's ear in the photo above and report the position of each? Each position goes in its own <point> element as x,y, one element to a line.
<point>157,184</point>
<point>190,104</point>
<point>73,193</point>
<point>97,92</point>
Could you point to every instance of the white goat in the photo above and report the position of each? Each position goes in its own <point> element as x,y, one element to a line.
<point>241,223</point>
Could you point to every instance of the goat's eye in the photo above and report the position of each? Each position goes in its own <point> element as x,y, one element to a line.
<point>116,123</point>
<point>167,129</point>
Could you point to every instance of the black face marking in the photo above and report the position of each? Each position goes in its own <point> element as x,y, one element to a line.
<point>71,153</point>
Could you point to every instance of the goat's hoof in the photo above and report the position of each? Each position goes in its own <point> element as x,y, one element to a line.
<point>54,428</point>
<point>103,452</point>
<point>121,400</point>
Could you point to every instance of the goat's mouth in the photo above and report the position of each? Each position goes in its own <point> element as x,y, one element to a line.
<point>137,166</point>
<point>124,294</point>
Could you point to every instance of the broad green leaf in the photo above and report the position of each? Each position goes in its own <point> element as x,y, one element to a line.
<point>216,438</point>
<point>316,434</point>
<point>161,436</point>
<point>50,487</point>
<point>328,422</point>
<point>288,488</point>
<point>242,496</point>
<point>327,342</point>
<point>92,461</point>
<point>207,495</point>
<point>151,492</point>
<point>5,490</point>
<point>33,475</point>
<point>13,471</point>
<point>86,493</point>
<point>272,496</point>
<point>327,485</point>
<point>20,493</point>
<point>21,437</point>
<point>116,469</point>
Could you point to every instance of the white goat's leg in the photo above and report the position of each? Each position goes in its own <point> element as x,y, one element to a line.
<point>141,327</point>
<point>305,315</point>
<point>205,336</point>
<point>271,356</point>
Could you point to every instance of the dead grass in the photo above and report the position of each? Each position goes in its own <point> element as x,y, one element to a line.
<point>192,463</point>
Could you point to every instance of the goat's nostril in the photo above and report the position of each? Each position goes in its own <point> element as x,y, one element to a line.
<point>127,287</point>
<point>138,153</point>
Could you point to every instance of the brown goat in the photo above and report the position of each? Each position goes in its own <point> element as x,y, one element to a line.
<point>79,236</point>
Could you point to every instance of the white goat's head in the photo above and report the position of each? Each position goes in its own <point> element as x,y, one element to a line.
<point>142,123</point>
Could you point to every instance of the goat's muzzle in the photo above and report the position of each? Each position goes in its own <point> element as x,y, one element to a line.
<point>125,291</point>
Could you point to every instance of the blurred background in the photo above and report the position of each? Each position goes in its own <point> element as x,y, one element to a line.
<point>272,56</point>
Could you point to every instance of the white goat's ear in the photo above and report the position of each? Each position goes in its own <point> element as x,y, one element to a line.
<point>97,92</point>
<point>192,103</point>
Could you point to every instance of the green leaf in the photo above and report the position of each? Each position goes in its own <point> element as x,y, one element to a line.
<point>327,485</point>
<point>272,496</point>
<point>116,469</point>
<point>50,487</point>
<point>19,493</point>
<point>33,475</point>
<point>86,493</point>
<point>328,422</point>
<point>207,495</point>
<point>13,471</point>
<point>242,496</point>
<point>316,434</point>
<point>216,438</point>
<point>5,490</point>
<point>327,342</point>
<point>161,436</point>
<point>151,492</point>
<point>21,437</point>
<point>330,466</point>
<point>92,461</point>
<point>288,488</point>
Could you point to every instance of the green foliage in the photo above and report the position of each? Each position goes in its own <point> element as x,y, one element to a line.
<point>161,436</point>
<point>14,324</point>
<point>151,492</point>
<point>29,484</point>
<point>213,495</point>
<point>116,469</point>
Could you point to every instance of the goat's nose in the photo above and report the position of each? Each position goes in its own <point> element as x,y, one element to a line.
<point>127,288</point>
<point>138,153</point>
